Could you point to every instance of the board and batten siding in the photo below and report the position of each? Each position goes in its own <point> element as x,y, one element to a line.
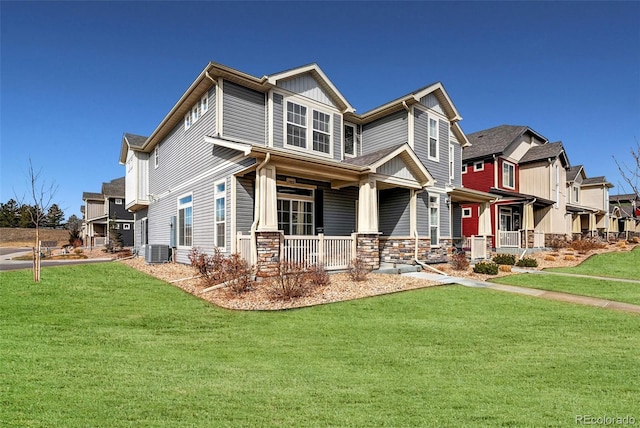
<point>394,212</point>
<point>243,114</point>
<point>396,168</point>
<point>307,86</point>
<point>385,132</point>
<point>137,229</point>
<point>245,197</point>
<point>431,101</point>
<point>340,211</point>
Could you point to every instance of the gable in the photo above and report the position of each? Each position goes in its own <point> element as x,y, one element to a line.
<point>431,101</point>
<point>307,86</point>
<point>396,167</point>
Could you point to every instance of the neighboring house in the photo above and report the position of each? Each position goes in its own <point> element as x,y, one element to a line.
<point>281,166</point>
<point>588,203</point>
<point>105,210</point>
<point>625,215</point>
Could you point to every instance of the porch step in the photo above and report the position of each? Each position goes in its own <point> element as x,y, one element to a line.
<point>387,268</point>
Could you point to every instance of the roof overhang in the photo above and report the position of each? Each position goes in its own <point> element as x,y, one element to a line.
<point>463,195</point>
<point>410,159</point>
<point>521,197</point>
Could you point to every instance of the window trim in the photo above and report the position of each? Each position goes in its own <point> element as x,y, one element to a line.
<point>184,206</point>
<point>298,198</point>
<point>309,128</point>
<point>478,166</point>
<point>463,168</point>
<point>156,157</point>
<point>435,203</point>
<point>217,196</point>
<point>196,111</point>
<point>355,139</point>
<point>126,226</point>
<point>452,162</point>
<point>468,210</point>
<point>429,137</point>
<point>505,165</point>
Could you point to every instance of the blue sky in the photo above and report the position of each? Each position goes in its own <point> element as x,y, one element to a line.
<point>76,75</point>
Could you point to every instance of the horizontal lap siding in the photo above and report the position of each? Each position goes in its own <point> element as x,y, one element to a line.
<point>278,121</point>
<point>385,132</point>
<point>394,212</point>
<point>456,221</point>
<point>244,204</point>
<point>244,113</point>
<point>422,214</point>
<point>337,136</point>
<point>340,211</point>
<point>139,215</point>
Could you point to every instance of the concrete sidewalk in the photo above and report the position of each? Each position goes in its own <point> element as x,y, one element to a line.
<point>534,292</point>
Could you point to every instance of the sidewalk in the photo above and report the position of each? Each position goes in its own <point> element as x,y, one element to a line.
<point>534,292</point>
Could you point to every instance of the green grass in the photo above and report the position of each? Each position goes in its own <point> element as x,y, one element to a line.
<point>104,345</point>
<point>615,265</point>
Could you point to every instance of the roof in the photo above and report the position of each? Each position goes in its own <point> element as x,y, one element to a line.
<point>522,196</point>
<point>626,197</point>
<point>544,151</point>
<point>494,141</point>
<point>601,180</point>
<point>572,173</point>
<point>373,157</point>
<point>114,188</point>
<point>92,196</point>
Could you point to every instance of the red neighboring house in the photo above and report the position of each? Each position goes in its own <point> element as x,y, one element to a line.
<point>492,164</point>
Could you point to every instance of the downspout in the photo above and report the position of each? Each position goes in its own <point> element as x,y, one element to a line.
<point>206,73</point>
<point>256,220</point>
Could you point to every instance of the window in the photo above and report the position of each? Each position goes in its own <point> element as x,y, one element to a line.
<point>466,212</point>
<point>434,219</point>
<point>349,140</point>
<point>295,210</point>
<point>557,185</point>
<point>478,166</point>
<point>296,125</point>
<point>196,111</point>
<point>118,201</point>
<point>506,219</point>
<point>220,223</point>
<point>433,138</point>
<point>297,128</point>
<point>185,221</point>
<point>156,157</point>
<point>452,173</point>
<point>126,226</point>
<point>464,168</point>
<point>576,194</point>
<point>508,175</point>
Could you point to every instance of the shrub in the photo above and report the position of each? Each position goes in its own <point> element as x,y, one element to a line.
<point>569,258</point>
<point>289,281</point>
<point>504,259</point>
<point>504,268</point>
<point>586,245</point>
<point>635,240</point>
<point>487,268</point>
<point>459,261</point>
<point>237,274</point>
<point>357,270</point>
<point>556,244</point>
<point>527,262</point>
<point>550,258</point>
<point>78,251</point>
<point>209,266</point>
<point>317,276</point>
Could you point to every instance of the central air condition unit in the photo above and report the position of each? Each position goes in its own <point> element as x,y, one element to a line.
<point>157,254</point>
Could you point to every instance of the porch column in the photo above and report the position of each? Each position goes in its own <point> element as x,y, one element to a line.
<point>484,220</point>
<point>368,206</point>
<point>267,206</point>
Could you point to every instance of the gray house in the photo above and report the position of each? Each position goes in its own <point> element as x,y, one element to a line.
<point>281,166</point>
<point>106,211</point>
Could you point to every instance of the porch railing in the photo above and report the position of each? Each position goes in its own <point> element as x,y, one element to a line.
<point>478,245</point>
<point>243,247</point>
<point>334,252</point>
<point>99,242</point>
<point>509,239</point>
<point>538,239</point>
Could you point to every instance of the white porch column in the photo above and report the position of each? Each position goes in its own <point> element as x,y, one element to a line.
<point>484,219</point>
<point>368,206</point>
<point>268,205</point>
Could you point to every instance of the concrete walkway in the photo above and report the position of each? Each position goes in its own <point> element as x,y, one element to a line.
<point>534,292</point>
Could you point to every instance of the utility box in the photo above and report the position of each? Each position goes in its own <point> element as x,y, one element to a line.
<point>156,253</point>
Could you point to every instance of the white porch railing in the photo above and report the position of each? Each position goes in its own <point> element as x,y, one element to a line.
<point>99,242</point>
<point>243,247</point>
<point>478,245</point>
<point>509,239</point>
<point>334,252</point>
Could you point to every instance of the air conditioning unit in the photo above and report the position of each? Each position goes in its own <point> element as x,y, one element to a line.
<point>157,253</point>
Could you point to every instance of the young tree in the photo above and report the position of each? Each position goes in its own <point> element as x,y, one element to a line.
<point>42,196</point>
<point>630,170</point>
<point>74,225</point>
<point>54,216</point>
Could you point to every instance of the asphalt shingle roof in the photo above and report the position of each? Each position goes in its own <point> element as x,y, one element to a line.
<point>92,196</point>
<point>114,188</point>
<point>135,141</point>
<point>491,141</point>
<point>370,158</point>
<point>572,173</point>
<point>543,151</point>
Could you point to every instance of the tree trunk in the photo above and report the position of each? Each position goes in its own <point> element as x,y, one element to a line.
<point>36,261</point>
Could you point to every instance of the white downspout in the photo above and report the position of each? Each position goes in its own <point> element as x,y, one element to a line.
<point>256,212</point>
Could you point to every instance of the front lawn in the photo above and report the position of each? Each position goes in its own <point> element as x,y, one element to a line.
<point>614,264</point>
<point>104,345</point>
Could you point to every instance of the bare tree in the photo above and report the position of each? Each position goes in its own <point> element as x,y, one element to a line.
<point>630,170</point>
<point>42,197</point>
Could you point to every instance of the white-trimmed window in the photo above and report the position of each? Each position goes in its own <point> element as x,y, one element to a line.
<point>299,133</point>
<point>466,212</point>
<point>349,140</point>
<point>126,226</point>
<point>185,221</point>
<point>508,175</point>
<point>433,138</point>
<point>156,157</point>
<point>452,158</point>
<point>478,166</point>
<point>196,112</point>
<point>434,219</point>
<point>220,221</point>
<point>576,194</point>
<point>295,210</point>
<point>118,201</point>
<point>464,168</point>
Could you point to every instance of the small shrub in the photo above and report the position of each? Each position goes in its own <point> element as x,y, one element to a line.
<point>569,258</point>
<point>288,283</point>
<point>549,258</point>
<point>237,274</point>
<point>78,251</point>
<point>527,262</point>
<point>358,270</point>
<point>504,268</point>
<point>487,268</point>
<point>317,276</point>
<point>504,259</point>
<point>635,240</point>
<point>621,244</point>
<point>556,244</point>
<point>586,245</point>
<point>209,266</point>
<point>459,261</point>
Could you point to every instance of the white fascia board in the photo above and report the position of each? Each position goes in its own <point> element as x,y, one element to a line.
<point>245,148</point>
<point>416,166</point>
